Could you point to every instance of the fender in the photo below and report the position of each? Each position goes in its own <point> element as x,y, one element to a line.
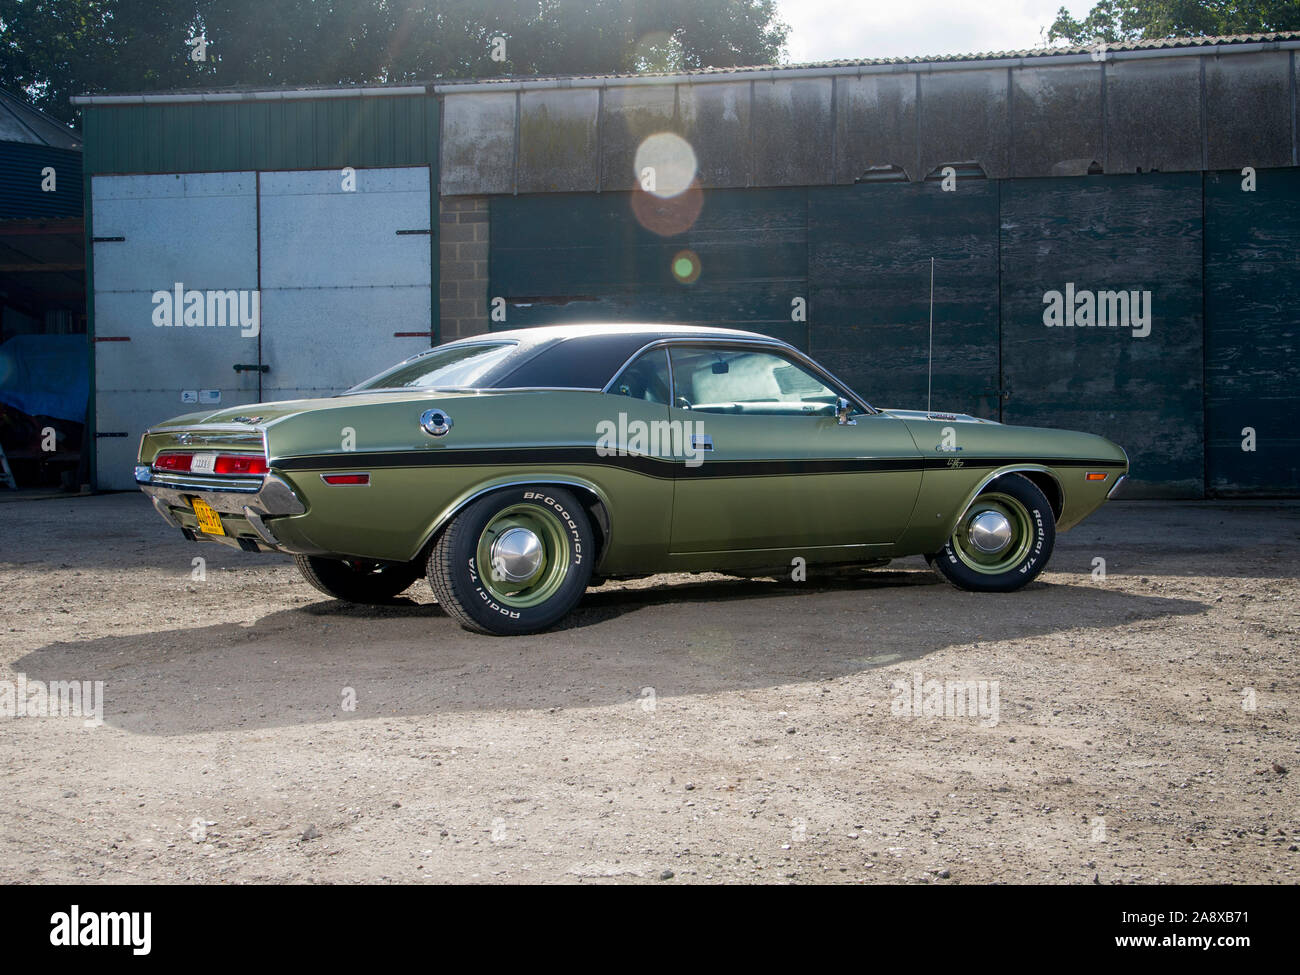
<point>602,505</point>
<point>951,526</point>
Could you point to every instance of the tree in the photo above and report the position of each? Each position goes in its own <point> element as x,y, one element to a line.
<point>1115,21</point>
<point>53,49</point>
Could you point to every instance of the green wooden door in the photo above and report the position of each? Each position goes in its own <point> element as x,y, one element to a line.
<point>869,273</point>
<point>1137,383</point>
<point>1252,334</point>
<point>574,257</point>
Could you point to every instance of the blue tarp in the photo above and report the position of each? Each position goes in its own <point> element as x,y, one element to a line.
<point>46,375</point>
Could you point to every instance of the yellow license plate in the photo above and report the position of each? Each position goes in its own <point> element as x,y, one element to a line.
<point>209,520</point>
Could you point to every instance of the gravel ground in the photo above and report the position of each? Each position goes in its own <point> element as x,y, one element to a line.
<point>680,729</point>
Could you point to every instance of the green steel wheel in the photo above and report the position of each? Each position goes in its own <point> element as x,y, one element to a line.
<point>514,561</point>
<point>1002,541</point>
<point>523,553</point>
<point>994,534</point>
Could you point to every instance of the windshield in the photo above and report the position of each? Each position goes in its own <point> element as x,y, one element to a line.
<point>454,366</point>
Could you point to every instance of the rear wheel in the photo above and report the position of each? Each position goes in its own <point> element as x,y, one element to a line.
<point>358,580</point>
<point>514,561</point>
<point>1002,541</point>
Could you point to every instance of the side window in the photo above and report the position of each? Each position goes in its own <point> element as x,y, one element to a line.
<point>736,380</point>
<point>645,378</point>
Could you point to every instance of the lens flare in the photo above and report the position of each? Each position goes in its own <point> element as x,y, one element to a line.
<point>687,266</point>
<point>668,217</point>
<point>665,165</point>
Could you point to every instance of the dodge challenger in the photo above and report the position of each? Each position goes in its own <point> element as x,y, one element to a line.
<point>515,469</point>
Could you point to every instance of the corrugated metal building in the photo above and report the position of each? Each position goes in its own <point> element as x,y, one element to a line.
<point>295,227</point>
<point>806,202</point>
<point>42,297</point>
<point>31,144</point>
<point>42,273</point>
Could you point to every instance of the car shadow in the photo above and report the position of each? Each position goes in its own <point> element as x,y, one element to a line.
<point>327,662</point>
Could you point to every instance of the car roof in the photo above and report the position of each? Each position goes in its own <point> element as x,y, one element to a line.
<point>644,331</point>
<point>586,355</point>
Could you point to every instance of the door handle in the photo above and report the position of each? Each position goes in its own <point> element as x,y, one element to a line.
<point>702,442</point>
<point>246,367</point>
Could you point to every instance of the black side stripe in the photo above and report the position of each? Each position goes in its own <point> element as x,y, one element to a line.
<point>494,457</point>
<point>654,466</point>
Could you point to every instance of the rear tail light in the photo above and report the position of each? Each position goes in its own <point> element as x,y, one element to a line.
<point>239,464</point>
<point>172,462</point>
<point>206,463</point>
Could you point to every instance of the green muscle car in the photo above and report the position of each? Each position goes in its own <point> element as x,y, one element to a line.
<point>513,469</point>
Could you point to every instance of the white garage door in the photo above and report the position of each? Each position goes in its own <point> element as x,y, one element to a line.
<point>346,277</point>
<point>197,231</point>
<point>344,291</point>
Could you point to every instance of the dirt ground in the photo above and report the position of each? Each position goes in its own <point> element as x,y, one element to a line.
<point>680,729</point>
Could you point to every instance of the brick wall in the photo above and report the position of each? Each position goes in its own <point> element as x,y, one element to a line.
<point>463,255</point>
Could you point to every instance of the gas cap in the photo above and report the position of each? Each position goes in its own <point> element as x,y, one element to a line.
<point>436,423</point>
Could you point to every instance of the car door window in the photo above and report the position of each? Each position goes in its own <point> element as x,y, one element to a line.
<point>645,378</point>
<point>746,381</point>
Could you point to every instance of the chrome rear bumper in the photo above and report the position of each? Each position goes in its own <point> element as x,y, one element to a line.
<point>252,498</point>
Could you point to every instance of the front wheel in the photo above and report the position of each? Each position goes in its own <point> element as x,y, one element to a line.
<point>514,561</point>
<point>358,580</point>
<point>1002,541</point>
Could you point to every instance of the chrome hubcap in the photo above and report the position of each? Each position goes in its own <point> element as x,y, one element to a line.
<point>990,532</point>
<point>517,554</point>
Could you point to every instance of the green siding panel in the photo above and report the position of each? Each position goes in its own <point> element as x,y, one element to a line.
<point>321,133</point>
<point>21,196</point>
<point>1132,233</point>
<point>869,267</point>
<point>1252,354</point>
<point>582,257</point>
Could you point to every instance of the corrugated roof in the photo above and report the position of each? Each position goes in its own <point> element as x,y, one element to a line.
<point>19,122</point>
<point>1172,44</point>
<point>1038,52</point>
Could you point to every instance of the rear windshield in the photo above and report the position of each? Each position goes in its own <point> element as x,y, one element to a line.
<point>451,367</point>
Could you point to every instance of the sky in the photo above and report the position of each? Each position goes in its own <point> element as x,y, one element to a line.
<point>822,30</point>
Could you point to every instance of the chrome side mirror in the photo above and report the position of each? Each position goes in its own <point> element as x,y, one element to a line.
<point>842,411</point>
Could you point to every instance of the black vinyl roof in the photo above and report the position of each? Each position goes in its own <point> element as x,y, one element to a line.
<point>583,356</point>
